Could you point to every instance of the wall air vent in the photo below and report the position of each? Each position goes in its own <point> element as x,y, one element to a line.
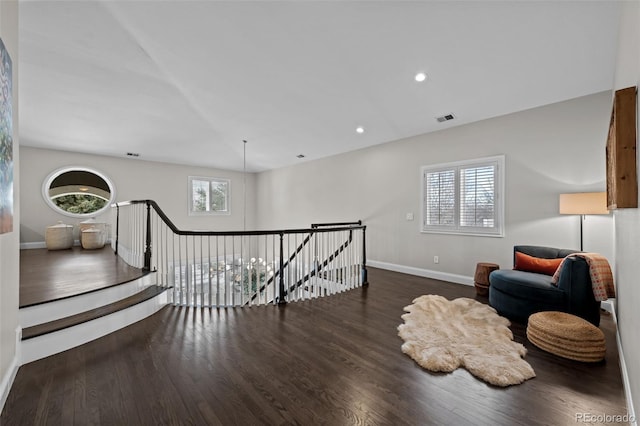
<point>444,118</point>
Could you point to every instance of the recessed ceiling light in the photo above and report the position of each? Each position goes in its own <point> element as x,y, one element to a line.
<point>360,129</point>
<point>420,77</point>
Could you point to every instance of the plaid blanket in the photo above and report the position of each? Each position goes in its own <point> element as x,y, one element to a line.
<point>601,275</point>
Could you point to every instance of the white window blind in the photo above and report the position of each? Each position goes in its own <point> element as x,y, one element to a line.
<point>477,196</point>
<point>440,198</point>
<point>464,197</point>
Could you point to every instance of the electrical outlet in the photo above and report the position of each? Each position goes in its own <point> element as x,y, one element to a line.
<point>409,216</point>
<point>436,259</point>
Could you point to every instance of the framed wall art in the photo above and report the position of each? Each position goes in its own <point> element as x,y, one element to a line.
<point>6,142</point>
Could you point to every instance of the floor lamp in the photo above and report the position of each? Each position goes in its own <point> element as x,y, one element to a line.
<point>583,203</point>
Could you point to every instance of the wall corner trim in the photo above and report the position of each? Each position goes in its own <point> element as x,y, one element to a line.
<point>7,380</point>
<point>610,307</point>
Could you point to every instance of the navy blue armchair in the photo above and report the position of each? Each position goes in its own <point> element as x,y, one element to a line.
<point>518,294</point>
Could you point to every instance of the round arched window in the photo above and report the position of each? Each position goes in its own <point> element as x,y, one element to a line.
<point>78,191</point>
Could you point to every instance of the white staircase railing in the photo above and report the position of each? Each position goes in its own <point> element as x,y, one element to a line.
<point>244,268</point>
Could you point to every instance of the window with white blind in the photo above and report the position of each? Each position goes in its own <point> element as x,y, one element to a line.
<point>465,197</point>
<point>208,196</point>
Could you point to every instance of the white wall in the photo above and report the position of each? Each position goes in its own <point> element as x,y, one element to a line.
<point>9,246</point>
<point>549,150</point>
<point>167,184</point>
<point>627,221</point>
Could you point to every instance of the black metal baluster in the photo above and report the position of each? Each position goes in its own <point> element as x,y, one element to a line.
<point>281,299</point>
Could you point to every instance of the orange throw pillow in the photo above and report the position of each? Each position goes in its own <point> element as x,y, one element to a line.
<point>528,263</point>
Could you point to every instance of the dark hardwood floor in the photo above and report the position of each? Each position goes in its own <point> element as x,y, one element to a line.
<point>333,361</point>
<point>52,275</point>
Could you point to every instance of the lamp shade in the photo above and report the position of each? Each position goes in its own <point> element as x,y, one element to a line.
<point>584,203</point>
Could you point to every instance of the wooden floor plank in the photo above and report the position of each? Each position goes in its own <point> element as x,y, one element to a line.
<point>52,275</point>
<point>334,361</point>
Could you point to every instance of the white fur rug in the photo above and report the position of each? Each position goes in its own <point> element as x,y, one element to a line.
<point>442,335</point>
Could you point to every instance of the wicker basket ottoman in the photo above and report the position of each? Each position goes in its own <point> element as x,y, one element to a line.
<point>92,239</point>
<point>567,336</point>
<point>59,237</point>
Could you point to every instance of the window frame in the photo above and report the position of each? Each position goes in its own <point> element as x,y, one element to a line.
<point>209,180</point>
<point>49,199</point>
<point>498,162</point>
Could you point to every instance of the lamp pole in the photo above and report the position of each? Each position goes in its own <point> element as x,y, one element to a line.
<point>582,217</point>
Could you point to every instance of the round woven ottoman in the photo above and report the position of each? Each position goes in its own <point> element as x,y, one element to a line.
<point>567,336</point>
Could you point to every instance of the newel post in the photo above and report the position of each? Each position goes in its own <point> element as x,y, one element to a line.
<point>117,227</point>
<point>281,298</point>
<point>147,249</point>
<point>365,282</point>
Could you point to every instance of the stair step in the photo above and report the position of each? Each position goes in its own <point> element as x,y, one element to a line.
<point>70,321</point>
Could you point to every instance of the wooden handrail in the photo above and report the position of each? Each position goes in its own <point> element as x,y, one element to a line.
<point>327,227</point>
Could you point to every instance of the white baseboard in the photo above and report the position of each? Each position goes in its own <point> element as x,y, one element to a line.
<point>427,273</point>
<point>12,371</point>
<point>31,246</point>
<point>609,306</point>
<point>42,244</point>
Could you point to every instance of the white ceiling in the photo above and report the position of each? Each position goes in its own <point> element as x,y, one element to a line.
<point>186,82</point>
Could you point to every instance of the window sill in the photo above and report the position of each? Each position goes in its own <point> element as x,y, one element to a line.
<point>209,213</point>
<point>465,233</point>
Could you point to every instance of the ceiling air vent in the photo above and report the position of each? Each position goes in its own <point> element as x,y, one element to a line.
<point>133,154</point>
<point>444,118</point>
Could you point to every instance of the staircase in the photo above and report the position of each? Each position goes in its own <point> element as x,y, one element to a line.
<point>52,327</point>
<point>164,264</point>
